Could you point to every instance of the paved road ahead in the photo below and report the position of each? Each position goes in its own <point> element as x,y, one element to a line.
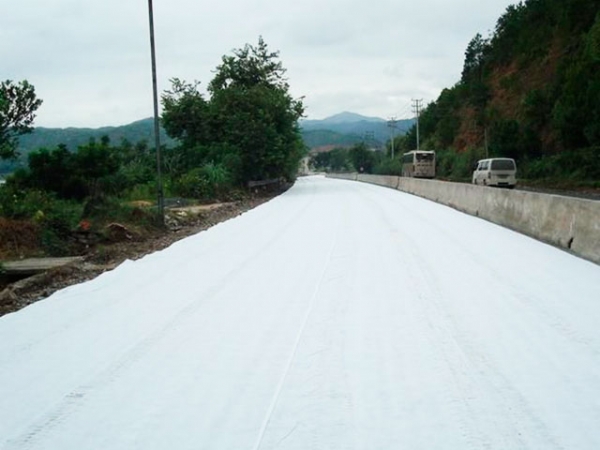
<point>337,316</point>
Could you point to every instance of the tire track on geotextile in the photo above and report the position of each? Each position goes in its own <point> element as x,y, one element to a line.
<point>519,421</point>
<point>532,302</point>
<point>420,295</point>
<point>279,388</point>
<point>458,350</point>
<point>76,398</point>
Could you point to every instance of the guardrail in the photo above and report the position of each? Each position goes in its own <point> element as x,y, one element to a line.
<point>259,183</point>
<point>569,223</point>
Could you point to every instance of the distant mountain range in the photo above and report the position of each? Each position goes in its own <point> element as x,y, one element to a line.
<point>141,130</point>
<point>349,128</point>
<point>344,129</point>
<point>345,117</point>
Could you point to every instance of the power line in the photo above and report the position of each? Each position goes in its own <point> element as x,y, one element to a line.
<point>405,114</point>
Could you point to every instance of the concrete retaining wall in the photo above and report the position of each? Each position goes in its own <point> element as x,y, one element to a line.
<point>569,223</point>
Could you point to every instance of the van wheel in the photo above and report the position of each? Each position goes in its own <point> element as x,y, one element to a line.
<point>485,182</point>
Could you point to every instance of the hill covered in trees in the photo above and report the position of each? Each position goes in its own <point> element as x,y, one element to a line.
<point>141,130</point>
<point>72,138</point>
<point>346,129</point>
<point>321,138</point>
<point>530,91</point>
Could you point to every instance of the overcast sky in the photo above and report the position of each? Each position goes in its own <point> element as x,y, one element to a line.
<point>90,61</point>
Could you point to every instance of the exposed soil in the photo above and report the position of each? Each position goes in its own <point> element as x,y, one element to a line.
<point>127,244</point>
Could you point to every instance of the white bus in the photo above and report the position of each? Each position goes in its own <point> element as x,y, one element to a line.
<point>418,164</point>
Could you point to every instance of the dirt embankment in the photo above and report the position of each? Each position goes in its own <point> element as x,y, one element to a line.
<point>181,223</point>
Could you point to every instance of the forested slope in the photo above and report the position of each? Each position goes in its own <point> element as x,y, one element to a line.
<point>530,90</point>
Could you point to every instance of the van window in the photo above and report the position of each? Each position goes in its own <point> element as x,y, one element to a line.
<point>503,164</point>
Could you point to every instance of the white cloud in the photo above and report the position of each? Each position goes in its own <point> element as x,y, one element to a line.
<point>90,61</point>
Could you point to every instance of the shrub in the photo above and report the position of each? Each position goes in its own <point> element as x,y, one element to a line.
<point>208,182</point>
<point>18,204</point>
<point>146,191</point>
<point>576,166</point>
<point>58,223</point>
<point>388,166</point>
<point>18,237</point>
<point>457,166</point>
<point>55,218</point>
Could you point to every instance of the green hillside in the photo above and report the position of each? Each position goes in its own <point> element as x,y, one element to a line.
<point>350,128</point>
<point>316,133</point>
<point>530,91</point>
<point>320,138</point>
<point>141,130</point>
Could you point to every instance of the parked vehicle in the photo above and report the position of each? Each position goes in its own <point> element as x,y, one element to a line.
<point>501,172</point>
<point>418,164</point>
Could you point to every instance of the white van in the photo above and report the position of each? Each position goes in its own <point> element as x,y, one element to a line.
<point>500,172</point>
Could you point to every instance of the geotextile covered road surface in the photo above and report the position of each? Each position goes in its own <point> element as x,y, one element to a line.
<point>338,315</point>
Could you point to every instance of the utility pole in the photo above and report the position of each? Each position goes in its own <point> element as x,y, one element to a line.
<point>160,203</point>
<point>417,105</point>
<point>369,139</point>
<point>485,140</point>
<point>392,124</point>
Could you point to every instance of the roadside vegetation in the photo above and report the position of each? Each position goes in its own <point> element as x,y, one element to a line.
<point>358,158</point>
<point>529,91</point>
<point>64,201</point>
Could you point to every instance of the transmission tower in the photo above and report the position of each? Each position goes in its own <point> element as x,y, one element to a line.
<point>392,123</point>
<point>417,105</point>
<point>369,139</point>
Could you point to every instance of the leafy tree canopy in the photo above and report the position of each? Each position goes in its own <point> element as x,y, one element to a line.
<point>250,116</point>
<point>186,113</point>
<point>362,159</point>
<point>529,90</point>
<point>475,58</point>
<point>18,104</point>
<point>250,67</point>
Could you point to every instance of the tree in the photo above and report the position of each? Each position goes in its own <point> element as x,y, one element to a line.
<point>475,58</point>
<point>362,159</point>
<point>249,125</point>
<point>94,164</point>
<point>73,176</point>
<point>261,125</point>
<point>250,67</point>
<point>52,171</point>
<point>185,115</point>
<point>18,104</point>
<point>253,110</point>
